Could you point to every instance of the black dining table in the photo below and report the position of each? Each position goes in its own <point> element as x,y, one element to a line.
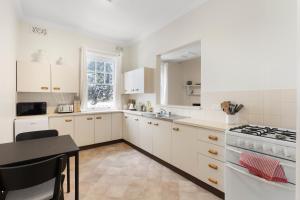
<point>33,150</point>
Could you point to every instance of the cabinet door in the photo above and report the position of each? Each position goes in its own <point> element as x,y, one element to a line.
<point>138,81</point>
<point>33,77</point>
<point>84,130</point>
<point>102,128</point>
<point>146,134</point>
<point>127,81</point>
<point>125,127</point>
<point>116,126</point>
<point>184,152</point>
<point>133,130</point>
<point>162,138</point>
<point>64,79</point>
<point>64,125</point>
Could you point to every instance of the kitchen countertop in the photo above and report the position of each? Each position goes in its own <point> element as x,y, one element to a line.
<point>70,114</point>
<point>217,126</point>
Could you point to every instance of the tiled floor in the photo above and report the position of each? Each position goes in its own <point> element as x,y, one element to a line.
<point>118,172</point>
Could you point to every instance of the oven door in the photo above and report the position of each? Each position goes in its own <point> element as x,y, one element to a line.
<point>241,185</point>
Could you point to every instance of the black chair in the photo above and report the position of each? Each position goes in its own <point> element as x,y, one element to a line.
<point>36,135</point>
<point>44,134</point>
<point>41,180</point>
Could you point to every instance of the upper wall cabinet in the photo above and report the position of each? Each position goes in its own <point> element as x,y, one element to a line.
<point>139,81</point>
<point>41,77</point>
<point>64,79</point>
<point>33,77</point>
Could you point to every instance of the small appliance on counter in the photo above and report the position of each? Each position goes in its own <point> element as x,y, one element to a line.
<point>65,108</point>
<point>31,108</point>
<point>77,104</point>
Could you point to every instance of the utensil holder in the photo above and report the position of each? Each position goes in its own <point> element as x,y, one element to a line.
<point>232,119</point>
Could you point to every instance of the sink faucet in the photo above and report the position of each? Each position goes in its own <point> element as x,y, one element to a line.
<point>164,112</point>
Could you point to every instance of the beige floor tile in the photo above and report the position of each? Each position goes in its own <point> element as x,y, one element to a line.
<point>118,172</point>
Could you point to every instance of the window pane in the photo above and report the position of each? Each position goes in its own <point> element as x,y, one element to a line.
<point>108,78</point>
<point>91,78</point>
<point>100,93</point>
<point>100,67</point>
<point>108,68</point>
<point>100,78</point>
<point>91,67</point>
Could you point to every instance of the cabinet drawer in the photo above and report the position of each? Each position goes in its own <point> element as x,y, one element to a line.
<point>211,150</point>
<point>211,171</point>
<point>211,136</point>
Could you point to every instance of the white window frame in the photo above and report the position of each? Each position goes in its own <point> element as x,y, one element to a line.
<point>84,79</point>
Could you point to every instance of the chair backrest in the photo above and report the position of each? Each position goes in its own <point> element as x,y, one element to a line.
<point>29,175</point>
<point>36,135</point>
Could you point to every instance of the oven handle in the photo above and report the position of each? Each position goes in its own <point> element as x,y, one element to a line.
<point>260,179</point>
<point>239,152</point>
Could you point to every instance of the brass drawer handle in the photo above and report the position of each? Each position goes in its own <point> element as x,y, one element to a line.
<point>213,166</point>
<point>56,88</point>
<point>44,88</point>
<point>175,129</point>
<point>89,118</point>
<point>155,124</point>
<point>98,117</point>
<point>214,152</point>
<point>213,181</point>
<point>150,123</point>
<point>213,138</point>
<point>68,120</point>
<point>125,117</point>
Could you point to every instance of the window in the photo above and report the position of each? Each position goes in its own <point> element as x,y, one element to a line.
<point>100,78</point>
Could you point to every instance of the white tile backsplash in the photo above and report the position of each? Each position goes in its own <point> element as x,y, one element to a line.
<point>52,99</point>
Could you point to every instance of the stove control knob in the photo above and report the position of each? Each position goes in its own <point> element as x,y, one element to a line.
<point>267,148</point>
<point>278,150</point>
<point>249,144</point>
<point>241,143</point>
<point>288,154</point>
<point>258,147</point>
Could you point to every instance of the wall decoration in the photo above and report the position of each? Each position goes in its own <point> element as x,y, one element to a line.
<point>39,30</point>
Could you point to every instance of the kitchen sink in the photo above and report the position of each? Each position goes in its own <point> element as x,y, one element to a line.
<point>166,117</point>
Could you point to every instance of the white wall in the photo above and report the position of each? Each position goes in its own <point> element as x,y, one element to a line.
<point>8,39</point>
<point>59,42</point>
<point>246,45</point>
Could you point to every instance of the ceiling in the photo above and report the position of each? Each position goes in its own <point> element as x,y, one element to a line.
<point>120,20</point>
<point>185,53</point>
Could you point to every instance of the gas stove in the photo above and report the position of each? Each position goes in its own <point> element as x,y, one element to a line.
<point>268,132</point>
<point>275,142</point>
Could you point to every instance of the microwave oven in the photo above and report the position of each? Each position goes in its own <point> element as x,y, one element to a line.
<point>31,108</point>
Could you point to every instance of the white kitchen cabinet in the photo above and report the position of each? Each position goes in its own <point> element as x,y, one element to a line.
<point>33,77</point>
<point>116,126</point>
<point>64,125</point>
<point>146,134</point>
<point>84,130</point>
<point>134,130</point>
<point>139,81</point>
<point>102,128</point>
<point>125,127</point>
<point>64,79</point>
<point>184,151</point>
<point>162,139</point>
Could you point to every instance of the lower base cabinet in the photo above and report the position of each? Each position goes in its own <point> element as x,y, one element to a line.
<point>116,126</point>
<point>84,130</point>
<point>64,125</point>
<point>162,139</point>
<point>103,128</point>
<point>184,150</point>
